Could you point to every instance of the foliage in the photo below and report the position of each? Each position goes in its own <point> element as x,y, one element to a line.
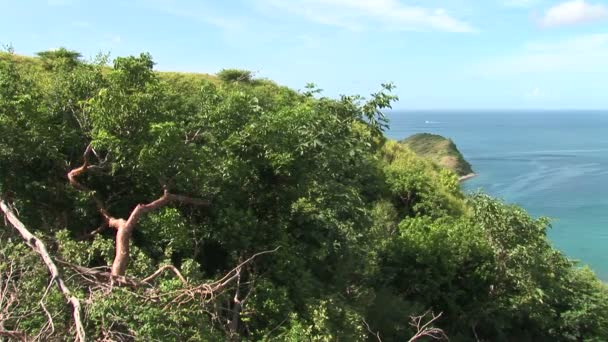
<point>235,75</point>
<point>60,58</point>
<point>370,234</point>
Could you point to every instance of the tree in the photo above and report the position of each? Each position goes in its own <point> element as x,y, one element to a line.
<point>191,208</point>
<point>60,58</point>
<point>201,180</point>
<point>235,75</point>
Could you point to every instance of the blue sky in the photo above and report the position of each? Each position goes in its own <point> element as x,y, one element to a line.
<point>456,54</point>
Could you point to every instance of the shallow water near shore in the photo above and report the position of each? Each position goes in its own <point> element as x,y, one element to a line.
<point>552,163</point>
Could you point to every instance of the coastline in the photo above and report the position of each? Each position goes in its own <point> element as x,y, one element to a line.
<point>467,177</point>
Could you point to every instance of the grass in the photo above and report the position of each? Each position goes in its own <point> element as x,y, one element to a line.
<point>35,64</point>
<point>440,150</point>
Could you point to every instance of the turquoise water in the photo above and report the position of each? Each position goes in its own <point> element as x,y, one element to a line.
<point>553,164</point>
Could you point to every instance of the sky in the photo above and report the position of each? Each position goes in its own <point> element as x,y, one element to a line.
<point>450,54</point>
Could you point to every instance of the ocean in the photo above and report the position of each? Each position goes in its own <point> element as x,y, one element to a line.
<point>552,163</point>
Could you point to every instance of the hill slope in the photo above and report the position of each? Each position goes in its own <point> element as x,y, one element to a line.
<point>440,150</point>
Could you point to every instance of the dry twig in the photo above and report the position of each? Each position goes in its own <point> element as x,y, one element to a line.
<point>209,290</point>
<point>38,246</point>
<point>426,329</point>
<point>161,270</point>
<point>369,330</point>
<point>17,335</point>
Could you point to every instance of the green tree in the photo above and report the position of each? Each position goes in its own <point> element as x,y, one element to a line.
<point>189,207</point>
<point>235,75</point>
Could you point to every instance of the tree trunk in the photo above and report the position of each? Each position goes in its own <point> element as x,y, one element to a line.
<point>121,257</point>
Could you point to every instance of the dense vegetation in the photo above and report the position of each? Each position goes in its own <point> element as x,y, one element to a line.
<point>287,216</point>
<point>441,150</point>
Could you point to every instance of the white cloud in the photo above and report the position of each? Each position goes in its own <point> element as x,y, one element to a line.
<point>573,12</point>
<point>363,14</point>
<point>585,53</point>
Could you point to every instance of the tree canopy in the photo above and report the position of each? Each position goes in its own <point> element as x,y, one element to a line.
<point>185,208</point>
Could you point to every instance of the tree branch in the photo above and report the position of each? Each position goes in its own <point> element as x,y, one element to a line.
<point>80,170</point>
<point>161,270</point>
<point>233,326</point>
<point>124,228</point>
<point>426,330</point>
<point>38,246</point>
<point>72,174</point>
<point>210,289</point>
<point>369,330</point>
<point>18,335</point>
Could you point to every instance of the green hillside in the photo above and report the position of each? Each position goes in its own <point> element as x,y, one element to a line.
<point>440,150</point>
<point>192,207</point>
<point>43,63</point>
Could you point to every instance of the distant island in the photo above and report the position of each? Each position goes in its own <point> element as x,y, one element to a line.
<point>442,151</point>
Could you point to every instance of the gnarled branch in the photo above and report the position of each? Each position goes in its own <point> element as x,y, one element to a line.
<point>124,228</point>
<point>72,178</point>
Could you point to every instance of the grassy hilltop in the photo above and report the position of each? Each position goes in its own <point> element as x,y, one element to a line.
<point>440,150</point>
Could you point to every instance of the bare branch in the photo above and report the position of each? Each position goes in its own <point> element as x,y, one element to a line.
<point>8,294</point>
<point>100,278</point>
<point>18,335</point>
<point>425,329</point>
<point>369,330</point>
<point>209,290</point>
<point>161,270</point>
<point>232,273</point>
<point>38,246</point>
<point>50,322</point>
